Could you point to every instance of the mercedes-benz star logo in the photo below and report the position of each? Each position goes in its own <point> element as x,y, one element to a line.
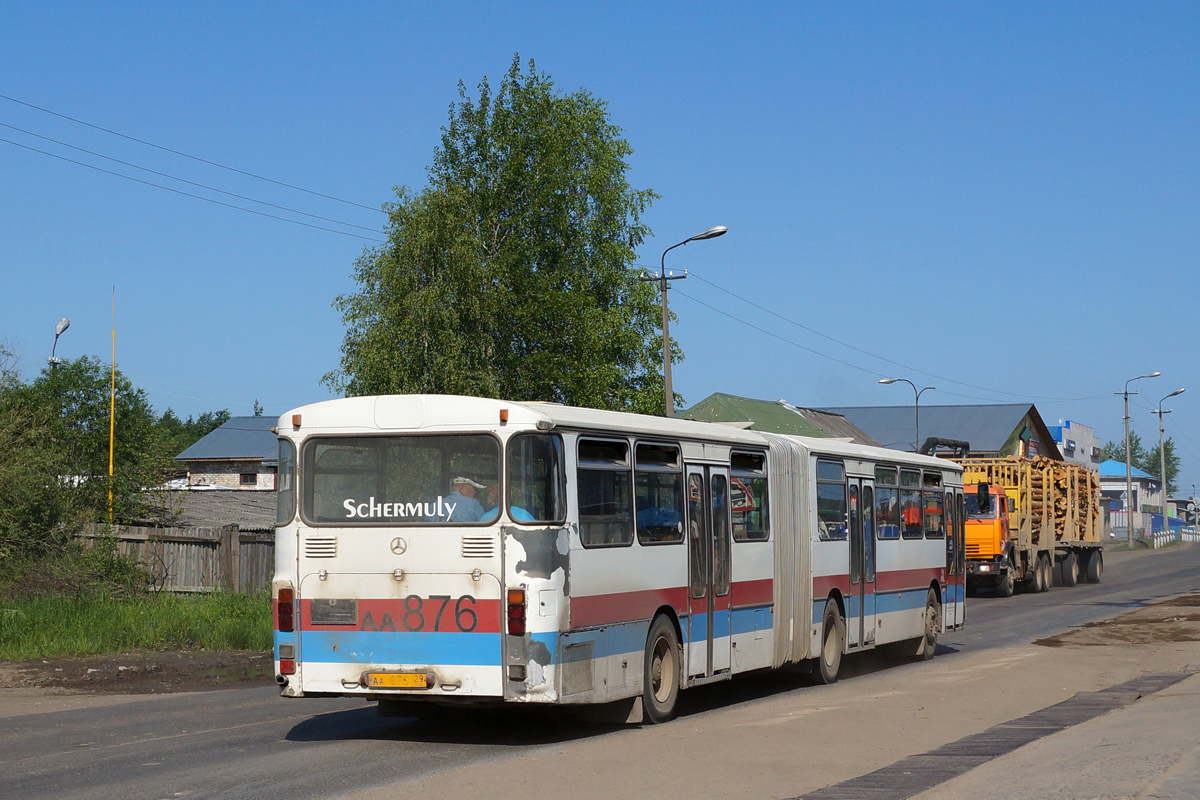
<point>399,545</point>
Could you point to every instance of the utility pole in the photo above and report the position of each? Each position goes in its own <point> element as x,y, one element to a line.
<point>1128,466</point>
<point>663,277</point>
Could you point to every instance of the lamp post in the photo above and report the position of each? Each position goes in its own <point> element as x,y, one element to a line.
<point>59,328</point>
<point>1128,466</point>
<point>668,391</point>
<point>916,406</point>
<point>1162,455</point>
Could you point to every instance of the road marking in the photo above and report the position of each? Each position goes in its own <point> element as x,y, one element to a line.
<point>915,774</point>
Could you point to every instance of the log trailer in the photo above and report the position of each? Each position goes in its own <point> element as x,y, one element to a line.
<point>1031,523</point>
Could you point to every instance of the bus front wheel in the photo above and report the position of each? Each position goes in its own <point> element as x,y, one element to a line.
<point>660,688</point>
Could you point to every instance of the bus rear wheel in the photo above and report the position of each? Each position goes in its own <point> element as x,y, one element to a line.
<point>660,689</point>
<point>833,642</point>
<point>933,626</point>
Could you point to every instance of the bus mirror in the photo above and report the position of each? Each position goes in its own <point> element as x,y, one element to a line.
<point>983,497</point>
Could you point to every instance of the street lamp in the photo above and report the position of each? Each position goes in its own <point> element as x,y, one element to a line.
<point>668,392</point>
<point>1162,455</point>
<point>1128,466</point>
<point>59,328</point>
<point>916,406</point>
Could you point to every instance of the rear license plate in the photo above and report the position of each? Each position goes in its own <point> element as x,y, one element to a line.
<point>396,680</point>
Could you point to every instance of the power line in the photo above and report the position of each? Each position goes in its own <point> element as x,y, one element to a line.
<point>189,183</point>
<point>189,194</point>
<point>186,155</point>
<point>879,357</point>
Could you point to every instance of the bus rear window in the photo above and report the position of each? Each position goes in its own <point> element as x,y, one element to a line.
<point>536,491</point>
<point>396,480</point>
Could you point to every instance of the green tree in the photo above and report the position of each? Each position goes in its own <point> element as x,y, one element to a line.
<point>73,401</point>
<point>512,273</point>
<point>180,435</point>
<point>1152,464</point>
<point>1115,450</point>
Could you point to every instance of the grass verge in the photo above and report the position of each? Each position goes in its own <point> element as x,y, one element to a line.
<point>57,627</point>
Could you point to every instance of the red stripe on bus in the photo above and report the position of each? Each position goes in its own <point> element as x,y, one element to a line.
<point>890,581</point>
<point>824,584</point>
<point>605,609</point>
<point>416,614</point>
<point>753,593</point>
<point>909,579</point>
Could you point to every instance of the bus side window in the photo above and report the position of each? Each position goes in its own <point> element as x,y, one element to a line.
<point>910,504</point>
<point>887,503</point>
<point>605,496</point>
<point>831,501</point>
<point>658,493</point>
<point>748,501</point>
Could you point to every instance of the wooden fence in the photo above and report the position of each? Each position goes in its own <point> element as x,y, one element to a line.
<point>196,559</point>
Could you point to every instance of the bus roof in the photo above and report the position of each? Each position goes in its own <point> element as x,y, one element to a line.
<point>429,412</point>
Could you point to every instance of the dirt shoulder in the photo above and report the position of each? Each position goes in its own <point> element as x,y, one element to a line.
<point>140,673</point>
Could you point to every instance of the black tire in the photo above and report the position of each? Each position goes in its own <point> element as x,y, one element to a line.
<point>1005,587</point>
<point>1070,569</point>
<point>933,626</point>
<point>660,685</point>
<point>1094,566</point>
<point>833,642</point>
<point>1041,579</point>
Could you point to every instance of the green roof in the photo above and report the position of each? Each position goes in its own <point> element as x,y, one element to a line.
<point>763,415</point>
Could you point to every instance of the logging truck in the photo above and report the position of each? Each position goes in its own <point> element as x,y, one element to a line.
<point>1031,523</point>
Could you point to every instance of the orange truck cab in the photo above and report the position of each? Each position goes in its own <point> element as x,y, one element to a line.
<point>988,536</point>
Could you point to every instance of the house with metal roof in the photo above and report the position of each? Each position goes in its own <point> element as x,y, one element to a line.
<point>241,454</point>
<point>1147,488</point>
<point>776,417</point>
<point>1009,429</point>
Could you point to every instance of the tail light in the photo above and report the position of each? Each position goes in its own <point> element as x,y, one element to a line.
<point>287,666</point>
<point>516,612</point>
<point>285,611</point>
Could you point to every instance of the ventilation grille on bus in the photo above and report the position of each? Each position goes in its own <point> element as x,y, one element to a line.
<point>478,547</point>
<point>577,667</point>
<point>320,547</point>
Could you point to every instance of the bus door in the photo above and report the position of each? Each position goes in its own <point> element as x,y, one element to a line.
<point>709,613</point>
<point>955,611</point>
<point>860,629</point>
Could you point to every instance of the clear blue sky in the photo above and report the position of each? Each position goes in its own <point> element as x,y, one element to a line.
<point>1004,196</point>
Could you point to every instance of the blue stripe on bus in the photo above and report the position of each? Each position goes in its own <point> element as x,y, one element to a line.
<point>373,647</point>
<point>884,602</point>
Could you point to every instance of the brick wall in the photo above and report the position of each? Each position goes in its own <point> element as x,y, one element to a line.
<point>230,474</point>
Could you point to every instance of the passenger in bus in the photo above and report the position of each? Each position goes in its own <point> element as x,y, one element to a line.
<point>912,519</point>
<point>462,498</point>
<point>492,501</point>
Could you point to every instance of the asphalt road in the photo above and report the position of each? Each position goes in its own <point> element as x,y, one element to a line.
<point>253,744</point>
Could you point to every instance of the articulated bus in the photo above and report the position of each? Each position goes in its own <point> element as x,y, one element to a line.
<point>435,550</point>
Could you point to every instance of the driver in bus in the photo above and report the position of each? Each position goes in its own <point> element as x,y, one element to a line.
<point>462,497</point>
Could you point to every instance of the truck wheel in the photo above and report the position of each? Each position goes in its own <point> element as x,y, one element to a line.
<point>1046,570</point>
<point>933,626</point>
<point>833,641</point>
<point>1004,587</point>
<point>1070,569</point>
<point>1094,566</point>
<point>660,684</point>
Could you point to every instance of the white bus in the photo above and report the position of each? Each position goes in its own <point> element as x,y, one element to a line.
<point>454,550</point>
